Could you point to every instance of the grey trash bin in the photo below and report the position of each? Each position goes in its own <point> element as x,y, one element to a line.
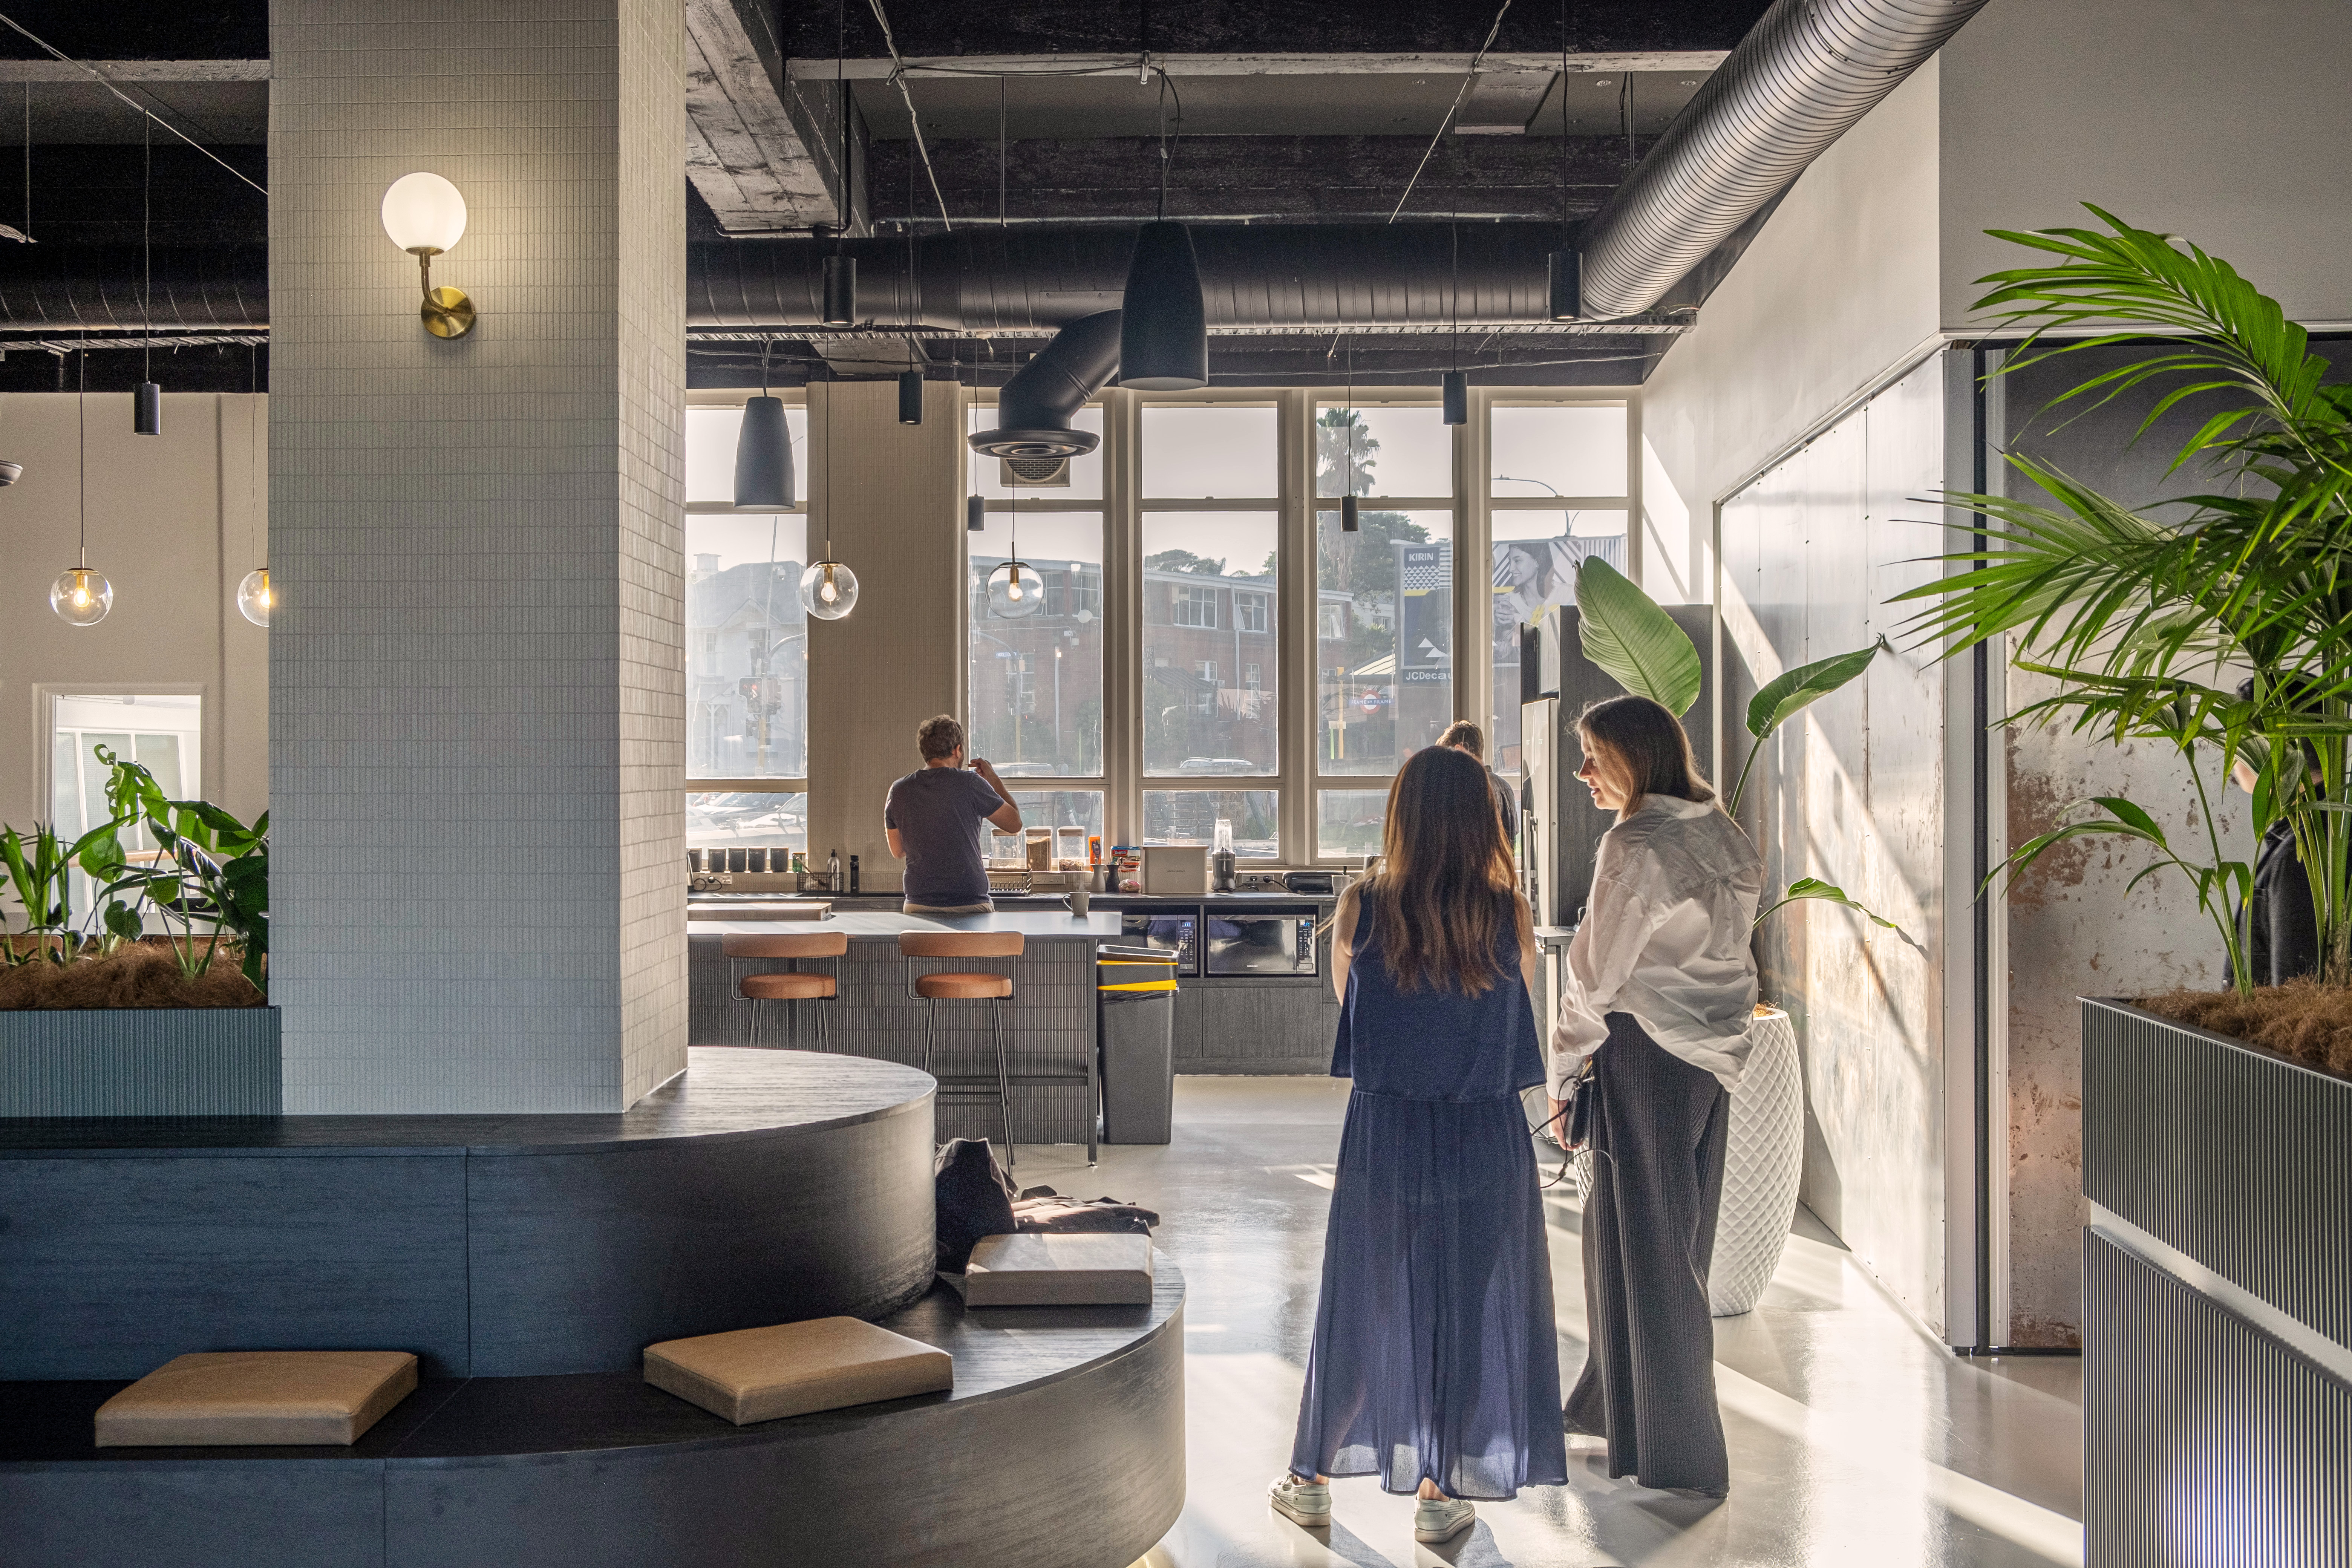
<point>1135,1004</point>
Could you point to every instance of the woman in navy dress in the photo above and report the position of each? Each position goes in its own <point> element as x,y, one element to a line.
<point>1433,1365</point>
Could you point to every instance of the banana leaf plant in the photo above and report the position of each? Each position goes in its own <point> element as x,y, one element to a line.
<point>1638,645</point>
<point>2147,622</point>
<point>210,870</point>
<point>39,868</point>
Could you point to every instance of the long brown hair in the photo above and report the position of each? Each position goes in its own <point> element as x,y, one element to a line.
<point>1649,742</point>
<point>1440,901</point>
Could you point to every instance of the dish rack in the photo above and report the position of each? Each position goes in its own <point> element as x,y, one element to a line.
<point>1008,881</point>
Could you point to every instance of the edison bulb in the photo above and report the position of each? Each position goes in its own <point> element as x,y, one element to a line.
<point>254,597</point>
<point>1015,591</point>
<point>81,597</point>
<point>828,589</point>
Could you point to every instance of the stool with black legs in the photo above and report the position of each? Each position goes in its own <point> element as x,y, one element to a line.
<point>953,986</point>
<point>789,986</point>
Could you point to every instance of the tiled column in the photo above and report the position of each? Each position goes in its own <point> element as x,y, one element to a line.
<point>477,697</point>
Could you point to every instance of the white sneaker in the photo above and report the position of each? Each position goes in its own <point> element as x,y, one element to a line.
<point>1441,1518</point>
<point>1304,1503</point>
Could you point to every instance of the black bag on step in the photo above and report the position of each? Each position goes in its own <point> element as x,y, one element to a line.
<point>974,1199</point>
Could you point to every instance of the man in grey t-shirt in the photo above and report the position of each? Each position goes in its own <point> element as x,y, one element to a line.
<point>931,819</point>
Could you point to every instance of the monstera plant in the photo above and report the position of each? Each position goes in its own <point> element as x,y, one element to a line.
<point>1638,645</point>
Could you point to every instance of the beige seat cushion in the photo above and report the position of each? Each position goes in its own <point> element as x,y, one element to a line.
<point>1033,1270</point>
<point>792,1369</point>
<point>962,987</point>
<point>789,987</point>
<point>237,1397</point>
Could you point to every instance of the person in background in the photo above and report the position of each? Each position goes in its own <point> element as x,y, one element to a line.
<point>1657,990</point>
<point>2281,925</point>
<point>1464,736</point>
<point>932,817</point>
<point>1434,1365</point>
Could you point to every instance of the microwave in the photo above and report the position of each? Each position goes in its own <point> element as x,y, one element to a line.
<point>1260,942</point>
<point>1164,931</point>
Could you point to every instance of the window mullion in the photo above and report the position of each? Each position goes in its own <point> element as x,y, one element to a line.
<point>1295,676</point>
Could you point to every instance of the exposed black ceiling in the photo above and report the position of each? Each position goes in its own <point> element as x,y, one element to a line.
<point>1334,138</point>
<point>940,28</point>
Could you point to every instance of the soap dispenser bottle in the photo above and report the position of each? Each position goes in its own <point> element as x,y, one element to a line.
<point>833,871</point>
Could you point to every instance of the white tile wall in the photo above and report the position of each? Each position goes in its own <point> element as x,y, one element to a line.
<point>477,726</point>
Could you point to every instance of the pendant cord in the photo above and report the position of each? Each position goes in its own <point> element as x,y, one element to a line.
<point>29,162</point>
<point>147,251</point>
<point>1454,286</point>
<point>841,148</point>
<point>1563,123</point>
<point>81,459</point>
<point>257,520</point>
<point>1001,152</point>
<point>1352,420</point>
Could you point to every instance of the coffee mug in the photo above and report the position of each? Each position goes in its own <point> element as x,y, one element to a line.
<point>1079,900</point>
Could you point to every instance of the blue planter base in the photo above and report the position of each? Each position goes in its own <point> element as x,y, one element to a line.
<point>163,1061</point>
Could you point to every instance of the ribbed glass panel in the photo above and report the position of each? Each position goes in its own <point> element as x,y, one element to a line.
<point>221,1061</point>
<point>2205,1440</point>
<point>2233,1155</point>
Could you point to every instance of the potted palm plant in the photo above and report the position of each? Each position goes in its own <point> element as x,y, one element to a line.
<point>2214,627</point>
<point>1634,641</point>
<point>154,1002</point>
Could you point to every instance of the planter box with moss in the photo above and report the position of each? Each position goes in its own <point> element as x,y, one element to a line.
<point>128,1035</point>
<point>2217,1285</point>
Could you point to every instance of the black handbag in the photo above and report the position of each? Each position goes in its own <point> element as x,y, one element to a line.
<point>1579,1131</point>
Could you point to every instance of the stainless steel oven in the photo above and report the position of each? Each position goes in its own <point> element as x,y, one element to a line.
<point>1274,940</point>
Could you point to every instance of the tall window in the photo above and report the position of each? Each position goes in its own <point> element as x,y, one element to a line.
<point>1209,531</point>
<point>1384,652</point>
<point>164,734</point>
<point>1557,489</point>
<point>746,649</point>
<point>1035,683</point>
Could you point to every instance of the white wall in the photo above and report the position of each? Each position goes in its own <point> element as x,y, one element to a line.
<point>174,521</point>
<point>2227,124</point>
<point>1836,292</point>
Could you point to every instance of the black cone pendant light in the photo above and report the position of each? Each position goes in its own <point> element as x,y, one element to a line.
<point>1163,333</point>
<point>1565,300</point>
<point>1163,330</point>
<point>763,449</point>
<point>1567,297</point>
<point>147,409</point>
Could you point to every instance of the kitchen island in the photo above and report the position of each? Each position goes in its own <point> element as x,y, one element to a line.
<point>1049,1023</point>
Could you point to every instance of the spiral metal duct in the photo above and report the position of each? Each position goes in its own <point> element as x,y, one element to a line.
<point>1804,73</point>
<point>1008,280</point>
<point>85,288</point>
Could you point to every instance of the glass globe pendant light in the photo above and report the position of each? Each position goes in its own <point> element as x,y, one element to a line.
<point>253,595</point>
<point>828,588</point>
<point>1015,591</point>
<point>81,596</point>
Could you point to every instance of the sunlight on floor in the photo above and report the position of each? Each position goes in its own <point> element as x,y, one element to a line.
<point>1855,1438</point>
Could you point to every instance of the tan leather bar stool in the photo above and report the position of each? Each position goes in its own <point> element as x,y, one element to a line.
<point>791,985</point>
<point>948,986</point>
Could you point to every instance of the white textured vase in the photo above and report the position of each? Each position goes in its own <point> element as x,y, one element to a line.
<point>1763,1161</point>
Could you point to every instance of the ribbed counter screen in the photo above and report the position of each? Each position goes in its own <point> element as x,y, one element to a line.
<point>2205,1440</point>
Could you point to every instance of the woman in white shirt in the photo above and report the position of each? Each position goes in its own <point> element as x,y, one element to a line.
<point>1659,987</point>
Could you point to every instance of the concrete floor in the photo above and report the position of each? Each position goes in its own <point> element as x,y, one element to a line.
<point>1855,1437</point>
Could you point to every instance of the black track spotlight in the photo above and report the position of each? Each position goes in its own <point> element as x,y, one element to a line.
<point>1457,397</point>
<point>764,454</point>
<point>147,412</point>
<point>910,397</point>
<point>1349,523</point>
<point>975,514</point>
<point>1163,334</point>
<point>840,290</point>
<point>1567,285</point>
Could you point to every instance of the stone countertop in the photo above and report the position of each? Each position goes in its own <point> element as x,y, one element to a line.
<point>1100,926</point>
